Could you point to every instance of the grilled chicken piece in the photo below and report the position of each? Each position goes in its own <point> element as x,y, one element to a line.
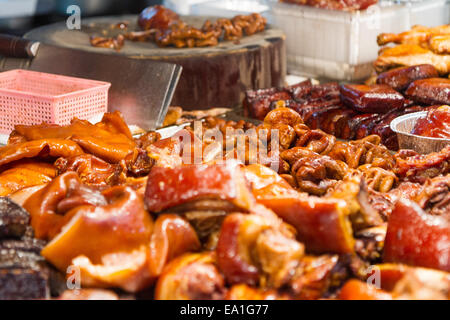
<point>417,35</point>
<point>410,55</point>
<point>440,44</point>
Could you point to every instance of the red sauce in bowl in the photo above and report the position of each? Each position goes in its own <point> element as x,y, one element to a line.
<point>435,125</point>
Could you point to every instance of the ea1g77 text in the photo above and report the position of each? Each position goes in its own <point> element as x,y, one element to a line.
<point>249,309</point>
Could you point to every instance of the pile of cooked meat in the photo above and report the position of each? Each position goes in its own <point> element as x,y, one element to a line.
<point>164,27</point>
<point>342,5</point>
<point>420,45</point>
<point>152,218</point>
<point>354,111</point>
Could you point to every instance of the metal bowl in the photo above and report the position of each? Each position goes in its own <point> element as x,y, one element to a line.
<point>405,124</point>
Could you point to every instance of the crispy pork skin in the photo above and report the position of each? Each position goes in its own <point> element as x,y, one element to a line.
<point>417,238</point>
<point>170,187</point>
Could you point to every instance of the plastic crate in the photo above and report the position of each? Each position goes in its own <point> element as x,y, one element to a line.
<point>28,97</point>
<point>342,45</point>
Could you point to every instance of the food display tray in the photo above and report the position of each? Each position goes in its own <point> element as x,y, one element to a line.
<point>342,45</point>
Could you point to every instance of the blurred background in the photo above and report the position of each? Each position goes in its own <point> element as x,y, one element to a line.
<point>19,16</point>
<point>320,43</point>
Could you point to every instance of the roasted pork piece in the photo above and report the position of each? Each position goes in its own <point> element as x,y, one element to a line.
<point>23,284</point>
<point>134,248</point>
<point>433,91</point>
<point>169,188</point>
<point>400,78</point>
<point>24,274</point>
<point>416,238</point>
<point>191,277</point>
<point>25,173</point>
<point>14,220</point>
<point>411,166</point>
<point>371,99</point>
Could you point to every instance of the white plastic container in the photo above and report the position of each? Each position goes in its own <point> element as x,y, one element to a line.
<point>183,7</point>
<point>230,8</point>
<point>342,45</point>
<point>430,13</point>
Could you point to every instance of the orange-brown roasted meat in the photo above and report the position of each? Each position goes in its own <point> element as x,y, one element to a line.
<point>106,141</point>
<point>433,91</point>
<point>165,27</point>
<point>400,78</point>
<point>411,166</point>
<point>417,35</point>
<point>231,230</point>
<point>411,55</point>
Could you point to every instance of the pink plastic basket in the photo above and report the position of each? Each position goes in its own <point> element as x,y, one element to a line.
<point>28,97</point>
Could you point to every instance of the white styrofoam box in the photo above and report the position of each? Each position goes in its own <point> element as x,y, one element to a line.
<point>430,13</point>
<point>17,8</point>
<point>342,45</point>
<point>335,44</point>
<point>230,8</point>
<point>183,7</point>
